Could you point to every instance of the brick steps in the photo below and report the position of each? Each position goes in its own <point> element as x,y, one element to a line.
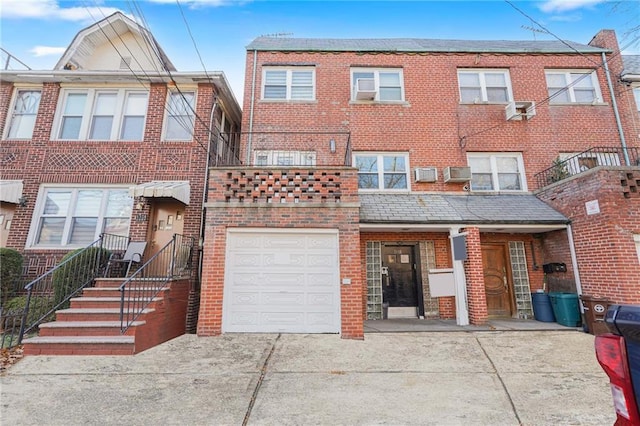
<point>85,328</point>
<point>80,345</point>
<point>91,324</point>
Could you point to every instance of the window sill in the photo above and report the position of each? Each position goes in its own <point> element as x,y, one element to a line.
<point>587,104</point>
<point>485,103</point>
<point>401,103</point>
<point>288,101</point>
<point>384,191</point>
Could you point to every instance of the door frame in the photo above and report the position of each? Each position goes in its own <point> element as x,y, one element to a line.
<point>415,252</point>
<point>509,275</point>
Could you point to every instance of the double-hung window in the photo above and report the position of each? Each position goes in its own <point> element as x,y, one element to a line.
<point>636,94</point>
<point>384,84</point>
<point>497,172</point>
<point>75,217</point>
<point>382,171</point>
<point>288,84</point>
<point>284,158</point>
<point>180,116</point>
<point>492,86</point>
<point>102,114</point>
<point>573,86</point>
<point>25,110</point>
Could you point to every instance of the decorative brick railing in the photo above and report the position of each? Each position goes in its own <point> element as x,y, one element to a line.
<point>283,186</point>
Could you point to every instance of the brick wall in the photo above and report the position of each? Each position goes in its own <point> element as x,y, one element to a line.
<point>432,125</point>
<point>307,215</point>
<point>605,249</point>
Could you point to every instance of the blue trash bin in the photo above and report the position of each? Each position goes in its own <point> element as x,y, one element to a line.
<point>542,309</point>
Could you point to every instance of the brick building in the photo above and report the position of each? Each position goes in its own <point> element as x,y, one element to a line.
<point>420,178</point>
<point>113,140</point>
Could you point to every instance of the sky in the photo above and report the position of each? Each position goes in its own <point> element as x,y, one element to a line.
<point>213,34</point>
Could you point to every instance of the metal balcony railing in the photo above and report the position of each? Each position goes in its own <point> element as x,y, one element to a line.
<point>281,149</point>
<point>593,157</point>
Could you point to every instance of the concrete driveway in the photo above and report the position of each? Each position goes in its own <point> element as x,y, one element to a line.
<point>439,378</point>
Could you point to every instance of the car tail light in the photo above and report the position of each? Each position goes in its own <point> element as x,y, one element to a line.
<point>612,356</point>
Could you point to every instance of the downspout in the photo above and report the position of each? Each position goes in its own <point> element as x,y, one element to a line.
<point>614,104</point>
<point>574,262</point>
<point>253,91</point>
<point>204,192</point>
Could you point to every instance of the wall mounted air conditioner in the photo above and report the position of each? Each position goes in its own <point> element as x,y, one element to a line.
<point>517,109</point>
<point>365,89</point>
<point>457,174</point>
<point>426,174</point>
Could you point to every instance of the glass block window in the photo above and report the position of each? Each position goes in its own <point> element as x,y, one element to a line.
<point>521,286</point>
<point>428,259</point>
<point>374,280</point>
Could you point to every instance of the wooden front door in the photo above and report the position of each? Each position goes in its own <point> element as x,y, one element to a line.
<point>167,220</point>
<point>497,282</point>
<point>399,287</point>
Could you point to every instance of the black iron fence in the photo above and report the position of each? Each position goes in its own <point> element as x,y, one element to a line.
<point>309,149</point>
<point>172,261</point>
<point>563,168</point>
<point>52,291</point>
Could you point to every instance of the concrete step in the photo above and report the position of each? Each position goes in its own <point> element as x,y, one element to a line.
<point>95,314</point>
<point>80,345</point>
<point>86,328</point>
<point>107,302</point>
<point>111,282</point>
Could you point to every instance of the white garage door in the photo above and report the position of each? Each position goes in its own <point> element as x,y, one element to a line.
<point>280,280</point>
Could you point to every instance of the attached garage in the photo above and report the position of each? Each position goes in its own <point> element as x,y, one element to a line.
<point>282,281</point>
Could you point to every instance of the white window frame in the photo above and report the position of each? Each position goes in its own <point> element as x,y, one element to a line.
<point>13,116</point>
<point>636,240</point>
<point>268,157</point>
<point>484,97</point>
<point>593,77</point>
<point>88,112</point>
<point>495,180</point>
<point>187,121</point>
<point>380,156</point>
<point>70,214</point>
<point>376,78</point>
<point>636,95</point>
<point>289,83</point>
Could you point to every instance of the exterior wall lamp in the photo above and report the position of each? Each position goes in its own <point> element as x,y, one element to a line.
<point>22,201</point>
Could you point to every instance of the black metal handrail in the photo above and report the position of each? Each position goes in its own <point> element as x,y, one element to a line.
<point>593,157</point>
<point>310,149</point>
<point>54,289</point>
<point>172,261</point>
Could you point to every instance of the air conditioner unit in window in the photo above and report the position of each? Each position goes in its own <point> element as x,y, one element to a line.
<point>427,174</point>
<point>457,174</point>
<point>517,109</point>
<point>365,89</point>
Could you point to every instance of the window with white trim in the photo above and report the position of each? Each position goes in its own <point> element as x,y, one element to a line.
<point>382,171</point>
<point>636,239</point>
<point>267,157</point>
<point>290,84</point>
<point>102,114</point>
<point>572,86</point>
<point>75,217</point>
<point>491,85</point>
<point>180,116</point>
<point>636,95</point>
<point>497,172</point>
<point>25,110</point>
<point>388,83</point>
